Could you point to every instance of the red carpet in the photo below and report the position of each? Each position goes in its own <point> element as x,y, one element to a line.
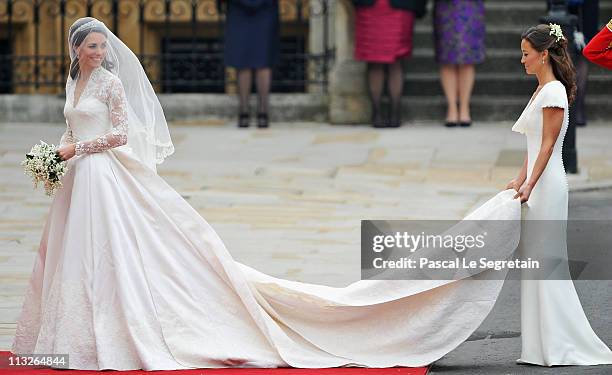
<point>6,370</point>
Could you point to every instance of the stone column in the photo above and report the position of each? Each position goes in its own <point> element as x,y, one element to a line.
<point>348,99</point>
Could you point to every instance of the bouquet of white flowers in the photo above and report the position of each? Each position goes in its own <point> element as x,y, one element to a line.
<point>45,165</point>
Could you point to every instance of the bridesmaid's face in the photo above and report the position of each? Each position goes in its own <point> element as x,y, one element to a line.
<point>532,59</point>
<point>93,50</point>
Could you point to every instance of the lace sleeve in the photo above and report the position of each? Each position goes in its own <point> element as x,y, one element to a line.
<point>117,105</point>
<point>67,137</point>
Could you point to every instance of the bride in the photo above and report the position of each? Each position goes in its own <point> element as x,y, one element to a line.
<point>129,276</point>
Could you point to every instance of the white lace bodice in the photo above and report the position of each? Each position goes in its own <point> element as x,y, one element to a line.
<point>98,121</point>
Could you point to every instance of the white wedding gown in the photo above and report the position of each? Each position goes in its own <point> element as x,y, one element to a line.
<point>554,327</point>
<point>129,276</point>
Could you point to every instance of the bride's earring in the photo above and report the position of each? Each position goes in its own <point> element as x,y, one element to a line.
<point>542,61</point>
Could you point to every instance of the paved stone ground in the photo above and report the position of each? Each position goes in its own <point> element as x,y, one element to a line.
<point>288,200</point>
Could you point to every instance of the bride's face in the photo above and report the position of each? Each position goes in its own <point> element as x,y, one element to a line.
<point>92,51</point>
<point>532,59</point>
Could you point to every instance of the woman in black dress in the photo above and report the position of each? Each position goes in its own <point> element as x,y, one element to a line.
<point>252,43</point>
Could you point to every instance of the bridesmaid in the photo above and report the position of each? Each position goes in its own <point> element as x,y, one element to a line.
<point>383,37</point>
<point>459,34</point>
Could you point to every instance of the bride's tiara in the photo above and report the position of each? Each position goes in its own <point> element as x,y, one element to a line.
<point>88,25</point>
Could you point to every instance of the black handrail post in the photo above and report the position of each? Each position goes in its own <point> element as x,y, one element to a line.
<point>9,10</point>
<point>63,37</point>
<point>115,10</point>
<point>558,13</point>
<point>36,44</point>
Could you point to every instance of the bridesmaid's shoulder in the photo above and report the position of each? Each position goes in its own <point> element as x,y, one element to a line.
<point>554,95</point>
<point>555,87</point>
<point>556,84</point>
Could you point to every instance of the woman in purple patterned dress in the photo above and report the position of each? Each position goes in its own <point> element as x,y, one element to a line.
<point>459,33</point>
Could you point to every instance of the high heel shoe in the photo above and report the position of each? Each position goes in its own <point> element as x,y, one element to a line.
<point>378,121</point>
<point>465,123</point>
<point>243,120</point>
<point>262,120</point>
<point>395,120</point>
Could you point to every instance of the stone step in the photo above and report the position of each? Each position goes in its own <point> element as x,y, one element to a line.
<point>519,14</point>
<point>291,107</point>
<point>497,60</point>
<point>216,109</point>
<point>496,84</point>
<point>504,22</point>
<point>502,87</point>
<point>487,108</point>
<point>497,36</point>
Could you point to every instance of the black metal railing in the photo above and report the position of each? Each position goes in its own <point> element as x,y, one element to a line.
<point>179,42</point>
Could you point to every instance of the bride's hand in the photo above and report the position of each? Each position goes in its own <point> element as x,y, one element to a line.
<point>514,184</point>
<point>524,192</point>
<point>67,152</point>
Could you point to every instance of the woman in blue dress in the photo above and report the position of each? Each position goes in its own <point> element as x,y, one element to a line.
<point>252,43</point>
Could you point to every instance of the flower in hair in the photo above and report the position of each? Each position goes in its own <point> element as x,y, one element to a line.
<point>556,31</point>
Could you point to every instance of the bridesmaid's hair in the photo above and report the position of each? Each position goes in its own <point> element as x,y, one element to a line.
<point>79,37</point>
<point>563,68</point>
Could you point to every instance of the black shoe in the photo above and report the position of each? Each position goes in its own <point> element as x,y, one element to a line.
<point>395,121</point>
<point>465,124</point>
<point>243,120</point>
<point>378,121</point>
<point>450,124</point>
<point>262,120</point>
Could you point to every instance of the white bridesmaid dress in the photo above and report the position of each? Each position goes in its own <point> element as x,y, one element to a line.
<point>554,327</point>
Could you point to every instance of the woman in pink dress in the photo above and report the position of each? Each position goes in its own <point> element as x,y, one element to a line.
<point>383,37</point>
